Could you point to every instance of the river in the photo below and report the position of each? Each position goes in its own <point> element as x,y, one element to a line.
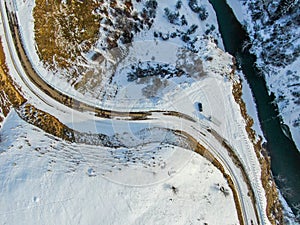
<point>285,158</point>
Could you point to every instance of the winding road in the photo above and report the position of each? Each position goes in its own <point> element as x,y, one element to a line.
<point>249,210</point>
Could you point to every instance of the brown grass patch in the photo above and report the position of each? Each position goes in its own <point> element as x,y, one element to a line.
<point>64,30</point>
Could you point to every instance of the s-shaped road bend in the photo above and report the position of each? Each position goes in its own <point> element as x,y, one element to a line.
<point>189,127</point>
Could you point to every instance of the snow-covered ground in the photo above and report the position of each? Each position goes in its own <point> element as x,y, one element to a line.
<point>212,88</point>
<point>99,89</point>
<point>251,106</point>
<point>45,180</point>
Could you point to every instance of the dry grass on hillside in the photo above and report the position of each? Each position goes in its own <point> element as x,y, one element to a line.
<point>9,95</point>
<point>64,30</point>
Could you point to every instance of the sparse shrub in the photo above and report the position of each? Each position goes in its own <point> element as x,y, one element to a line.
<point>178,4</point>
<point>296,94</point>
<point>151,4</point>
<point>296,123</point>
<point>174,189</point>
<point>192,29</point>
<point>173,35</point>
<point>257,15</point>
<point>185,38</point>
<point>225,191</point>
<point>203,14</point>
<point>194,6</point>
<point>173,17</point>
<point>165,37</point>
<point>183,20</point>
<point>201,10</point>
<point>150,8</point>
<point>209,58</point>
<point>149,70</point>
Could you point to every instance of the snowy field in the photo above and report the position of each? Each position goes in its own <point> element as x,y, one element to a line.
<point>47,181</point>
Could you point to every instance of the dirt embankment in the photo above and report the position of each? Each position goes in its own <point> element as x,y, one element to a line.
<point>45,121</point>
<point>274,207</point>
<point>9,94</point>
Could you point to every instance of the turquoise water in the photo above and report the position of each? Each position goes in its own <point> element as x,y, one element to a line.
<point>285,158</point>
